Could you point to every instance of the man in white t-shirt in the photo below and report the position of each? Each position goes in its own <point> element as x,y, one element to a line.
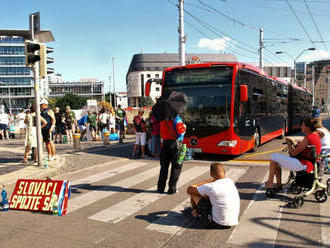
<point>4,124</point>
<point>216,199</point>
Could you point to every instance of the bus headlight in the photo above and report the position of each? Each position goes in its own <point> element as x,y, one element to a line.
<point>230,143</point>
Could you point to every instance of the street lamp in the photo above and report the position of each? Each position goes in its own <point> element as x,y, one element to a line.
<point>295,59</point>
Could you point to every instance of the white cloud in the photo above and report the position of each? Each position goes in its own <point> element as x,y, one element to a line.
<point>214,44</point>
<point>310,56</point>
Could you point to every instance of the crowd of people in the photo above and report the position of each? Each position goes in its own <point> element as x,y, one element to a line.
<point>60,127</point>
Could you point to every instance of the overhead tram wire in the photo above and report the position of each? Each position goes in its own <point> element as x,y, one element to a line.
<point>209,30</point>
<point>241,23</point>
<point>301,24</point>
<point>209,27</point>
<point>267,7</point>
<point>228,17</point>
<point>207,36</point>
<point>317,29</point>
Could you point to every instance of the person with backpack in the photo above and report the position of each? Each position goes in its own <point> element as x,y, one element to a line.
<point>140,133</point>
<point>171,132</point>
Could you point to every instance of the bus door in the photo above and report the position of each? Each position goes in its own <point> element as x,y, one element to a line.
<point>244,123</point>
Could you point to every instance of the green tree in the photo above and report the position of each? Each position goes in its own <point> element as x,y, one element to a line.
<point>146,102</point>
<point>52,103</point>
<point>72,100</point>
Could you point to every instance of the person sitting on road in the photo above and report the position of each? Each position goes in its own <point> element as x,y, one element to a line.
<point>217,198</point>
<point>290,162</point>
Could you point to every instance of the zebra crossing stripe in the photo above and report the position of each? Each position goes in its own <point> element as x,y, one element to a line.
<point>260,221</point>
<point>174,221</point>
<point>133,204</point>
<point>104,192</point>
<point>107,174</point>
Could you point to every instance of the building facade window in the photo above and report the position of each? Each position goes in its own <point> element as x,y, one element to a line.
<point>12,61</point>
<point>15,71</point>
<point>12,50</point>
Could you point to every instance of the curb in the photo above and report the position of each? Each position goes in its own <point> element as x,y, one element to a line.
<point>33,172</point>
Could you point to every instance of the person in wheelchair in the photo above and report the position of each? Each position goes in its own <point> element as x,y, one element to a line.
<point>298,159</point>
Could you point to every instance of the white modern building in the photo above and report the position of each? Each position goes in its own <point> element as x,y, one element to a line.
<point>150,66</point>
<point>16,79</point>
<point>91,88</point>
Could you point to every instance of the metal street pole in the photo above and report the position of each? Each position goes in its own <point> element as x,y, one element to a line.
<point>182,38</point>
<point>294,72</point>
<point>110,90</point>
<point>9,99</point>
<point>261,43</point>
<point>114,84</point>
<point>313,85</point>
<point>37,99</point>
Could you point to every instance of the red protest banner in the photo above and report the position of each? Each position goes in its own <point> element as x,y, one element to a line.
<point>38,195</point>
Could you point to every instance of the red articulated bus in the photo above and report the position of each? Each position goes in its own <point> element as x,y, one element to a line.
<point>235,107</point>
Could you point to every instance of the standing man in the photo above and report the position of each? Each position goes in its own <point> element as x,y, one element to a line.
<point>172,133</point>
<point>4,124</point>
<point>120,115</point>
<point>47,130</point>
<point>91,119</point>
<point>59,127</point>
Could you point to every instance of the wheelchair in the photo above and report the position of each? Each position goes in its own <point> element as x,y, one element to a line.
<point>303,184</point>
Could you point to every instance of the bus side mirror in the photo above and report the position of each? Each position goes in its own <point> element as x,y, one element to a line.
<point>243,89</point>
<point>147,88</point>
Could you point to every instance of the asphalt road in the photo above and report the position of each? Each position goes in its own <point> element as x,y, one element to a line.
<point>114,204</point>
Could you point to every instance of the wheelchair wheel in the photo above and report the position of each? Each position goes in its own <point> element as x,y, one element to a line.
<point>298,202</point>
<point>328,188</point>
<point>321,196</point>
<point>270,193</point>
<point>295,188</point>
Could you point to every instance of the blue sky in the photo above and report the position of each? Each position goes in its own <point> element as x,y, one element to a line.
<point>88,33</point>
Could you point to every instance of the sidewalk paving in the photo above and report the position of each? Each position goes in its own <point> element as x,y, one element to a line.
<point>11,155</point>
<point>33,171</point>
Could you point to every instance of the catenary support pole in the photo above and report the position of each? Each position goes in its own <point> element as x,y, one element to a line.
<point>114,83</point>
<point>261,51</point>
<point>182,38</point>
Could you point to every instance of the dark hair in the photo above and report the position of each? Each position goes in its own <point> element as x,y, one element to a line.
<point>119,106</point>
<point>309,123</point>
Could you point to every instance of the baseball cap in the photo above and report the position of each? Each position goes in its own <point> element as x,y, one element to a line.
<point>43,101</point>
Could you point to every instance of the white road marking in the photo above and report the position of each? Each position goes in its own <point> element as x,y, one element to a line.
<point>104,192</point>
<point>133,204</point>
<point>107,174</point>
<point>174,221</point>
<point>260,221</point>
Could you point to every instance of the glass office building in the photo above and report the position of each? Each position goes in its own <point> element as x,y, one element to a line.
<point>16,80</point>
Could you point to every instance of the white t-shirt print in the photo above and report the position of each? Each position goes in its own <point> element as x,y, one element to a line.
<point>225,201</point>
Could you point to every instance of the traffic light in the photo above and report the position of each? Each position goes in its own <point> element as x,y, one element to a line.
<point>30,53</point>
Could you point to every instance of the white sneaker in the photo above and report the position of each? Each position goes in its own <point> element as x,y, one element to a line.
<point>51,159</point>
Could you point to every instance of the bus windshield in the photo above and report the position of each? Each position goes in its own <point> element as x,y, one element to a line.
<point>209,97</point>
